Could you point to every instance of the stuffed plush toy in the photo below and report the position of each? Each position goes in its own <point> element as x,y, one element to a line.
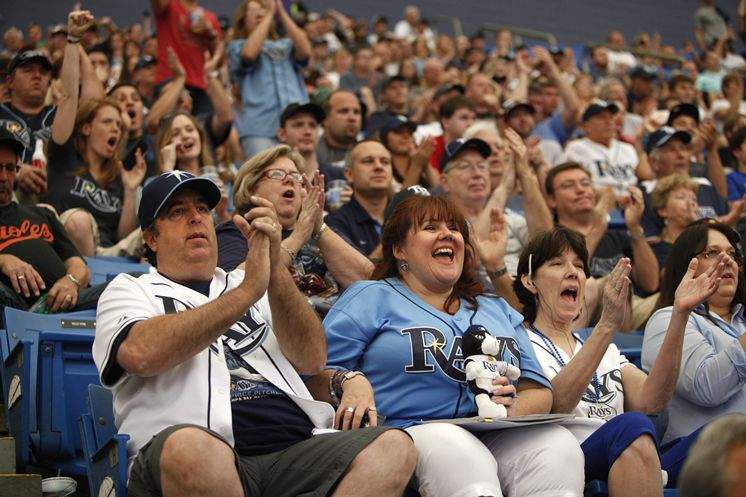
<point>481,366</point>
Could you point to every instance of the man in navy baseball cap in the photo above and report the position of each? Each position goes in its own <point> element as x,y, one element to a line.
<point>456,147</point>
<point>157,193</point>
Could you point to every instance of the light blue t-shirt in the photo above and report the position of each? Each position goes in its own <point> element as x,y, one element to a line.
<point>268,85</point>
<point>712,378</point>
<point>411,352</point>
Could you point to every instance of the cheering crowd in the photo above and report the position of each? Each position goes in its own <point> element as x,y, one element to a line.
<point>334,207</point>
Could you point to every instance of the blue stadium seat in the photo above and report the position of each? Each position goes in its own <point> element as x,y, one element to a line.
<point>47,365</point>
<point>105,451</point>
<point>105,269</point>
<point>630,344</point>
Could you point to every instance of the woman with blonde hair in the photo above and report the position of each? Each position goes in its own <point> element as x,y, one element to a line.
<point>320,261</point>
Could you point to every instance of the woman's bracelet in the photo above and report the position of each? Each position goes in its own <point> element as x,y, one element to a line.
<point>73,39</point>
<point>289,252</point>
<point>320,232</point>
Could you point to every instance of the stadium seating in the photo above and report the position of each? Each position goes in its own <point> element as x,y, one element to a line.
<point>105,269</point>
<point>629,344</point>
<point>46,367</point>
<point>104,450</point>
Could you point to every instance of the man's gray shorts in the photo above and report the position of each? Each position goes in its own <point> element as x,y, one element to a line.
<point>310,468</point>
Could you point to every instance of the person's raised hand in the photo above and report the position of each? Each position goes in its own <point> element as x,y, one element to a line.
<point>78,22</point>
<point>168,156</point>
<point>616,295</point>
<point>32,180</point>
<point>634,206</point>
<point>693,291</point>
<point>133,178</point>
<point>312,208</point>
<point>174,64</point>
<point>493,245</point>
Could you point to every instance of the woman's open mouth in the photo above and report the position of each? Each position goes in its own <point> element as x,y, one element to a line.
<point>443,254</point>
<point>569,294</point>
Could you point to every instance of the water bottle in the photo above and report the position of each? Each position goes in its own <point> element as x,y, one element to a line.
<point>38,161</point>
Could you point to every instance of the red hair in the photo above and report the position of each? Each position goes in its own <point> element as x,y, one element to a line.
<point>406,219</point>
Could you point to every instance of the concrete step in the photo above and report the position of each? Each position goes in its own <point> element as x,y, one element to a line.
<point>7,456</point>
<point>20,485</point>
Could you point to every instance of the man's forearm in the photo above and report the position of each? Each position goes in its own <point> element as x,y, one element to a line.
<point>128,220</point>
<point>90,86</point>
<point>538,215</point>
<point>165,103</point>
<point>163,342</point>
<point>715,171</point>
<point>222,118</point>
<point>64,119</point>
<point>253,44</point>
<point>76,267</point>
<point>346,264</point>
<point>295,323</point>
<point>645,270</point>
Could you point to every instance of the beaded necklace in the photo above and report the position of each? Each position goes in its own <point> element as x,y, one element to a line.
<point>595,382</point>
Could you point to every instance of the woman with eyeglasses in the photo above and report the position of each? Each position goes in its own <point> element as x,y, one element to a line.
<point>320,261</point>
<point>712,380</point>
<point>590,378</point>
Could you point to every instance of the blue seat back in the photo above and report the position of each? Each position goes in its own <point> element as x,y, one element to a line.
<point>629,344</point>
<point>56,369</point>
<point>106,269</point>
<point>105,451</point>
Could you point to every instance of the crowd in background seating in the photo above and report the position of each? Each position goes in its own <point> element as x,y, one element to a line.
<point>332,123</point>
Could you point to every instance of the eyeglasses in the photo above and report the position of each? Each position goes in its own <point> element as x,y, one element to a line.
<point>10,167</point>
<point>713,253</point>
<point>280,175</point>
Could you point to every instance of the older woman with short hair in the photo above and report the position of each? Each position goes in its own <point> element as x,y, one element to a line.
<point>674,199</point>
<point>320,261</point>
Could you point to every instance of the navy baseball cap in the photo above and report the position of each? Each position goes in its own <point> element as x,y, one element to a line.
<point>599,106</point>
<point>28,57</point>
<point>401,196</point>
<point>396,123</point>
<point>690,110</point>
<point>393,79</point>
<point>661,136</point>
<point>145,61</point>
<point>294,109</point>
<point>643,72</point>
<point>459,145</point>
<point>510,105</point>
<point>156,194</point>
<point>12,133</point>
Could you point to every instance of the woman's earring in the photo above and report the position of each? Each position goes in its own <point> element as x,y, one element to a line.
<point>404,266</point>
